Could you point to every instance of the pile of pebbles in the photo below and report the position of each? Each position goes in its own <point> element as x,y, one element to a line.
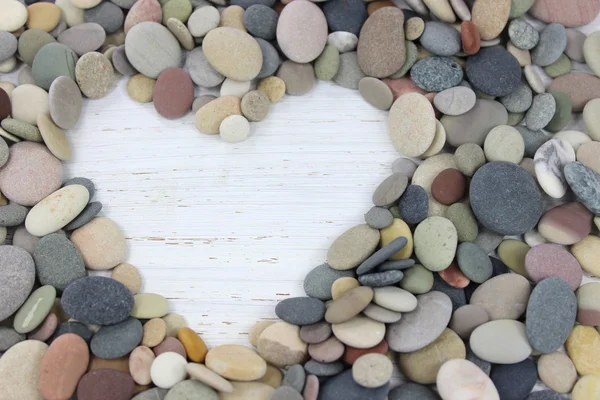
<point>467,273</point>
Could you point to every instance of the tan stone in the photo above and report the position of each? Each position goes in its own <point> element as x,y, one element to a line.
<point>583,347</point>
<point>141,88</point>
<point>209,117</point>
<point>342,286</point>
<point>43,16</point>
<point>20,370</point>
<point>129,276</point>
<point>273,377</point>
<point>248,391</point>
<point>587,252</point>
<point>173,323</point>
<point>491,17</point>
<point>200,373</point>
<point>280,345</point>
<point>154,332</point>
<point>140,361</point>
<point>273,87</point>
<point>256,330</point>
<point>233,17</point>
<point>557,371</point>
<point>236,362</point>
<point>101,244</point>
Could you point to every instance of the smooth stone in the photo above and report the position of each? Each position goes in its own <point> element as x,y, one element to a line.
<point>514,381</point>
<point>439,8</point>
<point>464,221</point>
<point>191,389</point>
<point>302,31</point>
<point>271,60</point>
<point>550,160</point>
<point>248,390</point>
<point>466,318</point>
<point>585,183</point>
<point>140,362</point>
<point>349,305</point>
<point>178,9</point>
<point>519,100</point>
<point>471,40</point>
<point>345,16</point>
<point>580,88</point>
<point>299,79</point>
<point>395,299</point>
<point>12,214</point>
<point>89,212</point>
<point>494,71</point>
<point>319,280</point>
<point>411,124</point>
<point>295,377</point>
<point>512,253</point>
<point>30,42</point>
<point>352,247</point>
<point>280,345</point>
<point>390,190</point>
<point>9,337</point>
<point>22,130</point>
<point>379,218</point>
<point>541,112</point>
<point>410,391</point>
<point>8,45</point>
<point>469,158</point>
<point>286,393</point>
<point>455,101</point>
<point>300,310</point>
<point>533,140</point>
<point>65,102</point>
<point>501,342</point>
<point>405,166</point>
<point>20,366</point>
<point>344,386</point>
<point>106,14</point>
<point>556,370</point>
<point>372,370</point>
<point>435,74</point>
<point>200,70</point>
<point>236,362</point>
<point>494,112</point>
<point>504,143</point>
<point>173,93</point>
<point>435,243</point>
<point>18,273</point>
<point>142,11</point>
<point>63,365</point>
<point>94,74</point>
<point>585,251</point>
<point>491,17</point>
<point>349,72</point>
<point>343,41</point>
<point>580,12</point>
<point>56,210</point>
<point>559,67</point>
<point>590,118</point>
<point>440,39</point>
<point>380,279</point>
<point>410,60</point>
<point>76,328</point>
<point>417,280</point>
<point>449,186</point>
<point>316,333</point>
<point>575,41</point>
<point>261,21</point>
<point>587,313</point>
<point>121,63</point>
<point>203,20</point>
<point>117,340</point>
<point>323,369</point>
<point>375,92</point>
<point>459,379</point>
<point>88,300</point>
<point>586,387</point>
<point>101,244</point>
<point>414,204</point>
<point>151,394</point>
<point>503,297</point>
<point>474,262</point>
<point>117,385</point>
<point>381,314</point>
<point>551,260</point>
<point>582,348</point>
<point>522,34</point>
<point>327,351</point>
<point>151,49</point>
<point>427,172</point>
<point>27,102</point>
<point>34,310</point>
<point>83,38</point>
<point>200,373</point>
<point>359,332</point>
<point>149,305</point>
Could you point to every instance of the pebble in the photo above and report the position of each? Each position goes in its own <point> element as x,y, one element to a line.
<point>464,221</point>
<point>140,361</point>
<point>516,380</point>
<point>319,280</point>
<point>43,16</point>
<point>261,21</point>
<point>106,382</point>
<point>83,38</point>
<point>494,112</point>
<point>248,390</point>
<point>65,102</point>
<point>548,260</point>
<point>440,8</point>
<point>85,182</point>
<point>522,34</point>
<point>491,17</point>
<point>295,377</point>
<point>435,74</point>
<point>315,333</point>
<point>468,317</point>
<point>151,48</point>
<point>440,39</point>
<point>302,31</point>
<point>359,332</point>
<point>503,297</point>
<point>582,348</point>
<point>27,102</point>
<point>559,67</point>
<point>413,204</point>
<point>411,124</point>
<point>580,88</point>
<point>201,71</point>
<point>519,100</point>
<point>34,310</point>
<point>585,183</point>
<point>101,244</point>
<point>300,310</point>
<point>8,45</point>
<point>417,280</point>
<point>236,362</point>
<point>349,72</point>
<point>449,186</point>
<point>170,344</point>
<point>575,42</point>
<point>581,12</point>
<point>459,379</point>
<point>94,74</point>
<point>469,158</point>
<point>504,143</point>
<point>501,342</point>
<point>541,112</point>
<point>411,58</point>
<point>62,366</point>
<point>345,16</point>
<point>271,60</point>
<point>8,338</point>
<point>141,88</point>
<point>203,20</point>
<point>106,14</point>
<point>413,28</point>
<point>328,351</point>
<point>12,214</point>
<point>471,40</point>
<point>379,218</point>
<point>556,370</point>
<point>76,328</point>
<point>117,340</point>
<point>20,365</point>
<point>299,79</point>
<point>173,93</point>
<point>280,345</point>
<point>323,369</point>
<point>343,386</point>
<point>375,92</point>
<point>494,71</point>
<point>389,191</point>
<point>168,369</point>
<point>46,329</point>
<point>149,305</point>
<point>343,41</point>
<point>121,63</point>
<point>22,130</point>
<point>550,159</point>
<point>589,117</point>
<point>381,314</point>
<point>372,370</point>
<point>398,229</point>
<point>405,166</point>
<point>273,87</point>
<point>455,101</point>
<point>286,393</point>
<point>15,16</point>
<point>411,390</point>
<point>435,243</point>
<point>142,11</point>
<point>395,299</point>
<point>56,210</point>
<point>200,373</point>
<point>349,305</point>
<point>89,212</point>
<point>233,16</point>
<point>18,272</point>
<point>474,262</point>
<point>353,247</point>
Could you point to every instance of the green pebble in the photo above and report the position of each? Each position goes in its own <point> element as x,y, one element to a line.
<point>519,7</point>
<point>411,59</point>
<point>31,41</point>
<point>22,129</point>
<point>417,279</point>
<point>515,118</point>
<point>328,63</point>
<point>562,66</point>
<point>35,309</point>
<point>178,9</point>
<point>53,60</point>
<point>464,221</point>
<point>395,210</point>
<point>562,115</point>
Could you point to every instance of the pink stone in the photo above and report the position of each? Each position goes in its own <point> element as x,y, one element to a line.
<point>579,86</point>
<point>169,344</point>
<point>328,351</point>
<point>173,93</point>
<point>551,260</point>
<point>402,86</point>
<point>143,10</point>
<point>566,224</point>
<point>570,13</point>
<point>46,329</point>
<point>302,31</point>
<point>311,388</point>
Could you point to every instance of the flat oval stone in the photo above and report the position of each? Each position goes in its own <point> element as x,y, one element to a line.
<point>349,72</point>
<point>395,299</point>
<point>587,295</point>
<point>440,39</point>
<point>479,126</point>
<point>414,204</point>
<point>200,70</point>
<point>236,362</point>
<point>203,20</point>
<point>173,93</point>
<point>233,53</point>
<point>52,61</point>
<point>583,349</point>
<point>151,48</point>
<point>372,370</point>
<point>57,261</point>
<point>20,365</point>
<point>323,369</point>
<point>435,243</point>
<point>459,379</point>
<point>411,124</point>
<point>83,38</point>
<point>149,305</point>
<point>580,87</point>
<point>580,12</point>
<point>345,16</point>
<point>316,333</point>
<point>379,218</point>
<point>586,387</point>
<point>8,338</point>
<point>169,345</point>
<point>299,79</point>
<point>94,74</point>
<point>466,318</point>
<point>501,342</point>
<point>494,71</point>
<point>380,48</point>
<point>435,74</point>
<point>449,186</point>
<point>111,383</point>
<point>319,280</point>
<point>522,34</point>
<point>97,300</point>
<point>65,102</point>
<point>519,100</point>
<point>17,273</point>
<point>271,60</point>
<point>551,314</point>
<point>280,344</point>
<point>455,101</point>
<point>64,363</point>
<point>106,14</point>
<point>390,190</point>
<point>550,160</point>
<point>417,280</point>
<point>541,111</point>
<point>556,370</point>
<point>191,389</point>
<point>344,386</point>
<point>35,309</point>
<point>140,362</point>
<point>295,377</point>
<point>349,305</point>
<point>300,310</point>
<point>585,183</point>
<point>352,247</point>
<point>359,332</point>
<point>117,340</point>
<point>550,260</point>
<point>503,297</point>
<point>302,31</point>
<point>76,328</point>
<point>142,11</point>
<point>375,92</point>
<point>491,17</point>
<point>470,37</point>
<point>328,351</point>
<point>261,21</point>
<point>474,262</point>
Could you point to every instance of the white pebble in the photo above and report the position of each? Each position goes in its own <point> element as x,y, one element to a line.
<point>203,20</point>
<point>168,369</point>
<point>535,78</point>
<point>234,128</point>
<point>8,65</point>
<point>231,87</point>
<point>343,41</point>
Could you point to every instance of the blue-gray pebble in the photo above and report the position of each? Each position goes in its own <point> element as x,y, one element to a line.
<point>152,394</point>
<point>545,395</point>
<point>295,377</point>
<point>300,310</point>
<point>522,34</point>
<point>344,387</point>
<point>8,45</point>
<point>533,139</point>
<point>271,58</point>
<point>483,365</point>
<point>51,61</point>
<point>474,262</point>
<point>412,391</point>
<point>514,381</point>
<point>85,182</point>
<point>505,198</point>
<point>345,15</point>
<point>247,3</point>
<point>379,217</point>
<point>57,261</point>
<point>494,71</point>
<point>97,300</point>
<point>541,112</point>
<point>552,43</point>
<point>519,100</point>
<point>395,264</point>
<point>76,328</point>
<point>585,183</point>
<point>286,393</point>
<point>117,340</point>
<point>318,281</point>
<point>261,21</point>
<point>551,313</point>
<point>12,214</point>
<point>434,74</point>
<point>382,255</point>
<point>440,39</point>
<point>89,212</point>
<point>323,369</point>
<point>380,279</point>
<point>414,205</point>
<point>106,14</point>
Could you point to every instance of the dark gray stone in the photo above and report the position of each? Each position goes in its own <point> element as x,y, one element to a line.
<point>88,184</point>
<point>9,337</point>
<point>77,328</point>
<point>505,198</point>
<point>8,45</point>
<point>300,310</point>
<point>344,387</point>
<point>324,369</point>
<point>261,21</point>
<point>414,205</point>
<point>522,34</point>
<point>494,71</point>
<point>89,212</point>
<point>379,217</point>
<point>271,60</point>
<point>382,255</point>
<point>345,15</point>
<point>412,391</point>
<point>318,281</point>
<point>97,300</point>
<point>117,340</point>
<point>545,395</point>
<point>551,313</point>
<point>440,39</point>
<point>434,74</point>
<point>499,267</point>
<point>514,381</point>
<point>519,100</point>
<point>533,139</point>
<point>152,394</point>
<point>380,279</point>
<point>57,261</point>
<point>12,214</point>
<point>121,63</point>
<point>552,43</point>
<point>395,265</point>
<point>474,262</point>
<point>286,393</point>
<point>106,14</point>
<point>295,377</point>
<point>457,296</point>
<point>541,111</point>
<point>17,276</point>
<point>585,183</point>
<point>315,333</point>
<point>247,3</point>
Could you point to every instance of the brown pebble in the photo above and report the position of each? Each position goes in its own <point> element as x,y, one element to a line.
<point>469,34</point>
<point>449,186</point>
<point>43,16</point>
<point>5,106</point>
<point>154,332</point>
<point>140,361</point>
<point>63,364</point>
<point>299,78</point>
<point>46,329</point>
<point>352,354</point>
<point>169,344</point>
<point>376,5</point>
<point>173,93</point>
<point>118,364</point>
<point>255,105</point>
<point>129,276</point>
<point>104,384</point>
<point>454,277</point>
<point>273,377</point>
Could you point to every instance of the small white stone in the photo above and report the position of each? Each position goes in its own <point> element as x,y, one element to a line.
<point>372,370</point>
<point>343,41</point>
<point>168,369</point>
<point>461,379</point>
<point>13,15</point>
<point>502,341</point>
<point>203,20</point>
<point>234,129</point>
<point>359,332</point>
<point>232,87</point>
<point>536,77</point>
<point>533,238</point>
<point>27,102</point>
<point>8,65</point>
<point>395,299</point>
<point>591,117</point>
<point>550,160</point>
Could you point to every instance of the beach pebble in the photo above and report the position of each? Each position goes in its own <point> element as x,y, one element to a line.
<point>20,365</point>
<point>65,102</point>
<point>464,221</point>
<point>352,247</point>
<point>413,204</point>
<point>435,241</point>
<point>141,88</point>
<point>411,124</point>
<point>556,370</point>
<point>8,338</point>
<point>440,8</point>
<point>316,333</point>
<point>27,102</point>
<point>300,310</point>
<point>455,101</point>
<point>295,377</point>
<point>280,345</point>
<point>582,348</point>
<point>349,72</point>
<point>501,342</point>
<point>261,21</point>
<point>435,74</point>
<point>522,34</point>
<point>548,260</point>
<point>449,186</point>
<point>359,332</point>
<point>479,126</point>
<point>470,37</point>
<point>30,42</point>
<point>168,369</point>
<point>379,218</point>
<point>575,41</point>
<point>343,386</point>
<point>585,252</point>
<point>328,351</point>
<point>474,262</point>
<point>151,49</point>
<point>203,20</point>
<point>590,118</point>
<point>318,282</point>
<point>580,87</point>
<point>491,17</point>
<point>469,158</point>
<point>349,305</point>
<point>149,305</point>
<point>372,370</point>
<point>519,100</point>
<point>580,12</point>
<point>236,362</point>
<point>200,373</point>
<point>585,183</point>
<point>76,328</point>
<point>173,93</point>
<point>503,297</point>
<point>83,38</point>
<point>395,299</point>
<point>508,387</point>
<point>466,318</point>
<point>504,143</point>
<point>64,363</point>
<point>376,93</point>
<point>106,382</point>
<point>94,74</point>
<point>117,340</point>
<point>140,362</point>
<point>34,310</point>
<point>142,11</point>
<point>299,79</point>
<point>494,71</point>
<point>550,159</point>
<point>302,31</point>
<point>101,243</point>
<point>121,63</point>
<point>459,379</point>
<point>440,39</point>
<point>201,71</point>
<point>345,16</point>
<point>587,295</point>
<point>541,112</point>
<point>170,344</point>
<point>248,390</point>
<point>234,129</point>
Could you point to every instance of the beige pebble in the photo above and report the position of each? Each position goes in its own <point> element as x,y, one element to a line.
<point>43,16</point>
<point>141,88</point>
<point>54,138</point>
<point>587,252</point>
<point>200,373</point>
<point>8,65</point>
<point>154,332</point>
<point>27,102</point>
<point>273,377</point>
<point>149,305</point>
<point>491,17</point>
<point>94,74</point>
<point>182,33</point>
<point>441,9</point>
<point>439,141</point>
<point>7,87</point>
<point>372,370</point>
<point>236,362</point>
<point>70,13</point>
<point>20,369</point>
<point>557,371</point>
<point>208,118</point>
<point>255,105</point>
<point>173,323</point>
<point>522,56</point>
<point>234,129</point>
<point>413,28</point>
<point>140,361</point>
<point>273,87</point>
<point>280,345</point>
<point>411,124</point>
<point>533,75</point>
<point>233,53</point>
<point>248,391</point>
<point>233,17</point>
<point>343,285</point>
<point>101,244</point>
<point>256,331</point>
<point>129,276</point>
<point>587,388</point>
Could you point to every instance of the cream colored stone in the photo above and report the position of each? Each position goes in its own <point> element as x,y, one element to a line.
<point>248,391</point>
<point>256,330</point>
<point>557,371</point>
<point>129,276</point>
<point>280,345</point>
<point>101,243</point>
<point>236,362</point>
<point>200,373</point>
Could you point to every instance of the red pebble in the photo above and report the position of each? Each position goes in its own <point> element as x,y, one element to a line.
<point>352,354</point>
<point>173,93</point>
<point>454,277</point>
<point>469,35</point>
<point>449,186</point>
<point>104,384</point>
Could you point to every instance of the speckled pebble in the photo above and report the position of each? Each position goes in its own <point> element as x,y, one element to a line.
<point>494,71</point>
<point>94,74</point>
<point>434,74</point>
<point>522,34</point>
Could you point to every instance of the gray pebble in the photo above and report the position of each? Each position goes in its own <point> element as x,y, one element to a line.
<point>344,387</point>
<point>4,152</point>
<point>12,214</point>
<point>261,21</point>
<point>286,393</point>
<point>455,101</point>
<point>300,310</point>
<point>9,337</point>
<point>247,3</point>
<point>271,59</point>
<point>574,49</point>
<point>324,369</point>
<point>434,74</point>
<point>345,15</point>
<point>76,328</point>
<point>545,395</point>
<point>440,39</point>
<point>65,102</point>
<point>380,279</point>
<point>349,72</point>
<point>494,71</point>
<point>22,129</point>
<point>390,190</point>
<point>25,240</point>
<point>457,296</point>
<point>379,217</point>
<point>106,14</point>
<point>404,166</point>
<point>488,240</point>
<point>522,34</point>
<point>191,389</point>
<point>17,275</point>
<point>533,139</point>
<point>482,364</point>
<point>83,38</point>
<point>97,300</point>
<point>541,112</point>
<point>60,28</point>
<point>585,183</point>
<point>121,63</point>
<point>318,281</point>
<point>295,377</point>
<point>412,391</point>
<point>315,333</point>
<point>85,182</point>
<point>152,394</point>
<point>481,119</point>
<point>201,72</point>
<point>57,261</point>
<point>201,101</point>
<point>474,262</point>
<point>8,45</point>
<point>553,41</point>
<point>519,100</point>
<point>50,62</point>
<point>395,265</point>
<point>117,340</point>
<point>382,255</point>
<point>414,204</point>
<point>89,212</point>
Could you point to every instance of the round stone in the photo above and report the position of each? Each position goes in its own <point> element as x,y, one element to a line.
<point>585,183</point>
<point>233,53</point>
<point>459,379</point>
<point>556,370</point>
<point>21,364</point>
<point>474,262</point>
<point>503,297</point>
<point>504,143</point>
<point>413,205</point>
<point>261,21</point>
<point>343,41</point>
<point>501,342</point>
<point>234,129</point>
<point>541,112</point>
<point>57,261</point>
<point>508,387</point>
<point>349,72</point>
<point>548,260</point>
<point>552,43</point>
<point>142,11</point>
<point>117,340</point>
<point>345,16</point>
<point>236,362</point>
<point>327,351</point>
<point>141,88</point>
<point>280,344</point>
<point>411,124</point>
<point>582,348</point>
<point>435,74</point>
<point>372,370</point>
<point>65,102</point>
<point>94,74</point>
<point>455,101</point>
<point>522,34</point>
<point>101,244</point>
<point>440,39</point>
<point>435,243</point>
<point>353,247</point>
<point>300,310</point>
<point>299,79</point>
<point>469,158</point>
<point>483,117</point>
<point>344,385</point>
<point>449,186</point>
<point>359,332</point>
<point>376,93</point>
<point>491,17</point>
<point>83,38</point>
<point>316,333</point>
<point>173,93</point>
<point>203,20</point>
<point>151,48</point>
<point>466,318</point>
<point>494,71</point>
<point>271,60</point>
<point>519,100</point>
